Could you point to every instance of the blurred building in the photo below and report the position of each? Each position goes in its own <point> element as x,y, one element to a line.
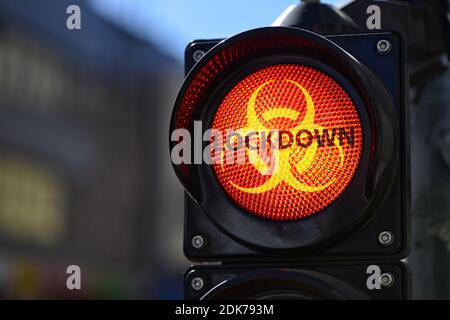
<point>83,116</point>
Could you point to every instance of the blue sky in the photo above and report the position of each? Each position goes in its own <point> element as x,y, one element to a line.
<point>174,23</point>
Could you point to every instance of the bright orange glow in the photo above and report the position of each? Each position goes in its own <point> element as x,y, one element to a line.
<point>320,120</point>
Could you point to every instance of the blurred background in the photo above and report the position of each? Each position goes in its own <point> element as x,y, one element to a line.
<point>85,172</point>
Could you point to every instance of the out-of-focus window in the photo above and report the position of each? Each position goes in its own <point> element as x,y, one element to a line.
<point>32,201</point>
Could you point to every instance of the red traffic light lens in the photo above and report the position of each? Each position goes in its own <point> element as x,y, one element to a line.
<point>320,136</point>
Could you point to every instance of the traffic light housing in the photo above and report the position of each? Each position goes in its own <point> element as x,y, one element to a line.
<point>367,216</point>
<point>290,281</point>
<point>322,213</point>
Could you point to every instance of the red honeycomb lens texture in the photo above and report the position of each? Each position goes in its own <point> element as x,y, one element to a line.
<point>307,189</point>
<point>224,59</point>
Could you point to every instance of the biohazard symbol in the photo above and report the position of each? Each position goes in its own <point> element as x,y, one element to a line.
<point>280,169</point>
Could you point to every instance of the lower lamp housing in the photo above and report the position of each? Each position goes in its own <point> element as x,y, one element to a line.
<point>361,281</point>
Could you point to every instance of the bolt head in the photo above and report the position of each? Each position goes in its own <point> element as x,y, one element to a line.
<point>197,283</point>
<point>386,238</point>
<point>198,241</point>
<point>384,46</point>
<point>197,55</point>
<point>387,279</point>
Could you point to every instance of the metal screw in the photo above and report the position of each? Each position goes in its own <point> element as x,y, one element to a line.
<point>198,241</point>
<point>386,238</point>
<point>384,46</point>
<point>198,54</point>
<point>197,283</point>
<point>387,279</point>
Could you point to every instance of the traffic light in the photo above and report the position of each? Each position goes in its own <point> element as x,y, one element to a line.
<point>293,149</point>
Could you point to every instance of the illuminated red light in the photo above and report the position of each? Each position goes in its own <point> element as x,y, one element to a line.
<point>323,125</point>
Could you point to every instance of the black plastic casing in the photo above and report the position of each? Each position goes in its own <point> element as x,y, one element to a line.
<point>336,281</point>
<point>361,242</point>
